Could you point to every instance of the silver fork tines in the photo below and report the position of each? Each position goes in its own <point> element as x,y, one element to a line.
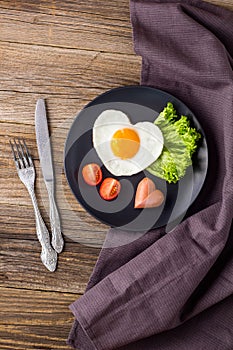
<point>21,154</point>
<point>26,172</point>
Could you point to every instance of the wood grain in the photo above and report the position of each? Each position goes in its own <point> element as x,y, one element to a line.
<point>67,52</point>
<point>224,3</point>
<point>20,266</point>
<point>36,319</point>
<point>59,27</point>
<point>53,70</point>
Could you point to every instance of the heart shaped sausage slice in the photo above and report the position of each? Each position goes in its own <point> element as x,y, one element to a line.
<point>147,196</point>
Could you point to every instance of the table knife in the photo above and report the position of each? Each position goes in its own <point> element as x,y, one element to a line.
<point>45,155</point>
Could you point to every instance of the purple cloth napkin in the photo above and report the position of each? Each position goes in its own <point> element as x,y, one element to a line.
<point>174,291</point>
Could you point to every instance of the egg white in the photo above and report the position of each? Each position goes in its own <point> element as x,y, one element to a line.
<point>151,143</point>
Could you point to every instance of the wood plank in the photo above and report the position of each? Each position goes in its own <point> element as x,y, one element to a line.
<point>19,107</point>
<point>17,221</point>
<point>114,9</point>
<point>20,266</point>
<point>50,308</point>
<point>69,29</point>
<point>44,70</point>
<point>117,9</point>
<point>223,3</point>
<point>34,319</point>
<point>34,337</point>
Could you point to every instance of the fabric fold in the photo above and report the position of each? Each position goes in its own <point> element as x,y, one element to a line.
<point>148,293</point>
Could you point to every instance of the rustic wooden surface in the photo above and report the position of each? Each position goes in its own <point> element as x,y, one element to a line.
<point>67,52</point>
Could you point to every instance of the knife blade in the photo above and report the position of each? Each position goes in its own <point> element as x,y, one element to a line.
<point>45,156</point>
<point>43,141</point>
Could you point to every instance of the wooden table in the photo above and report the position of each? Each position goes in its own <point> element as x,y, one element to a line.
<point>67,52</point>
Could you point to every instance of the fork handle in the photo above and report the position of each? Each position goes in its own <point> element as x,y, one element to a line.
<point>57,239</point>
<point>48,254</point>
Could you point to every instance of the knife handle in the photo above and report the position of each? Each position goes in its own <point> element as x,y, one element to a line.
<point>57,239</point>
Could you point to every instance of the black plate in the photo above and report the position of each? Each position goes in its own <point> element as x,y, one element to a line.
<point>140,103</point>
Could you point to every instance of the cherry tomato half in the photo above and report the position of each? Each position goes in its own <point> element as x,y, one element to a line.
<point>92,174</point>
<point>110,188</point>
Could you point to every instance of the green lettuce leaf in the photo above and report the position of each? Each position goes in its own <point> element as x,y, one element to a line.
<point>180,142</point>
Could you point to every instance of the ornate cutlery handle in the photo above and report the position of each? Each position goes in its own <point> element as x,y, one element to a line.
<point>48,254</point>
<point>57,239</point>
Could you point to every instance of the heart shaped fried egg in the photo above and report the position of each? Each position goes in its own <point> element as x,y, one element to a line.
<point>123,147</point>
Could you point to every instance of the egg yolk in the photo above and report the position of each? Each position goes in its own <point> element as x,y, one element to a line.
<point>125,143</point>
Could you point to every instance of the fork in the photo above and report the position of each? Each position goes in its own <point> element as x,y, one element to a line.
<point>27,175</point>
